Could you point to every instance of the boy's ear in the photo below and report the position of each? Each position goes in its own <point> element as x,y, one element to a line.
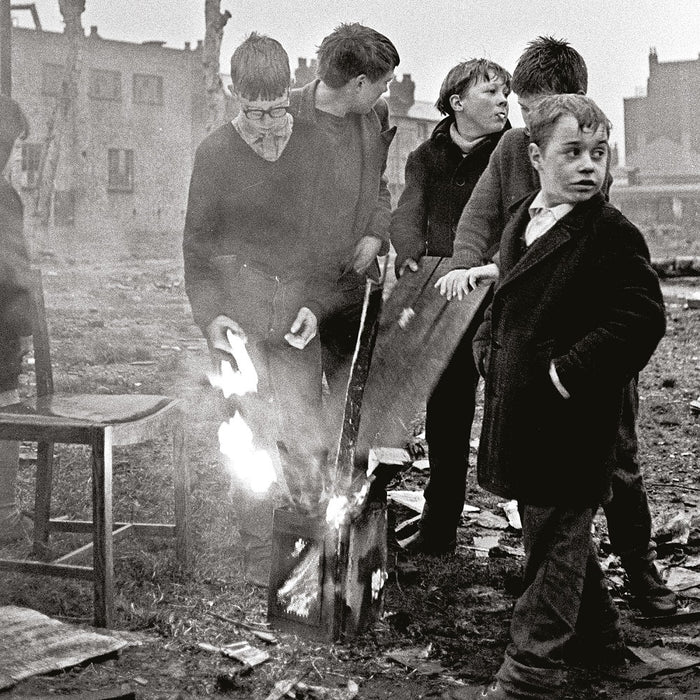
<point>456,103</point>
<point>535,155</point>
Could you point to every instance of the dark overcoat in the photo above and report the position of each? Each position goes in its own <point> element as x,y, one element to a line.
<point>584,296</point>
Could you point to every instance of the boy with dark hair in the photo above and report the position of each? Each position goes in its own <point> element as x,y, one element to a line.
<point>440,176</point>
<point>352,206</point>
<point>249,273</point>
<point>558,353</point>
<point>546,67</point>
<point>15,317</point>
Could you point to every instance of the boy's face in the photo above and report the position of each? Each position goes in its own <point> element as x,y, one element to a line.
<point>573,163</point>
<point>263,116</point>
<point>483,108</point>
<point>526,103</point>
<point>368,92</point>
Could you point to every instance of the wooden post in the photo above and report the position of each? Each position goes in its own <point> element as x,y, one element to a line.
<point>5,48</point>
<point>181,478</point>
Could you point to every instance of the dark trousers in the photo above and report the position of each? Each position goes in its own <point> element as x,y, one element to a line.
<point>628,516</point>
<point>564,596</point>
<point>448,421</point>
<point>285,414</point>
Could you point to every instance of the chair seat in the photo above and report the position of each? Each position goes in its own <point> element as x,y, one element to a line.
<point>84,409</point>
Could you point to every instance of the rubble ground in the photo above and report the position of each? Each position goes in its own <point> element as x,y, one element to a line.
<point>120,322</point>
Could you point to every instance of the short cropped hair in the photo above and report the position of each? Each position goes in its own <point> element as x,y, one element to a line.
<point>352,50</point>
<point>550,66</point>
<point>545,113</point>
<point>260,68</point>
<point>464,75</point>
<point>13,123</point>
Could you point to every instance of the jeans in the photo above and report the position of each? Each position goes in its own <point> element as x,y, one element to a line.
<point>564,595</point>
<point>449,416</point>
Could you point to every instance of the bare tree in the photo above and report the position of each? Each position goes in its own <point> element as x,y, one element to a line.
<point>215,23</point>
<point>64,112</point>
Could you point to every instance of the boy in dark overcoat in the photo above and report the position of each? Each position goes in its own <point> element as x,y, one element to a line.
<point>551,66</point>
<point>440,176</point>
<point>577,312</point>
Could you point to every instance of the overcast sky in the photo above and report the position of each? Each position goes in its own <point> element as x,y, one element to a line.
<point>614,36</point>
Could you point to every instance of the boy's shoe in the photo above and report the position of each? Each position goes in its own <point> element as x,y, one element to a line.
<point>257,562</point>
<point>16,528</point>
<point>598,653</point>
<point>651,595</point>
<point>420,544</point>
<point>494,691</point>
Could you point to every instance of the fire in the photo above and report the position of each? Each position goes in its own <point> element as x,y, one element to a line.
<point>340,508</point>
<point>241,381</point>
<point>252,466</point>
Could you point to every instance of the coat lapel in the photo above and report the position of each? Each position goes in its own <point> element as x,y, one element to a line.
<point>563,231</point>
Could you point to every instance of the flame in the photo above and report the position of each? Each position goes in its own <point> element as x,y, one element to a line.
<point>241,381</point>
<point>340,508</point>
<point>252,466</point>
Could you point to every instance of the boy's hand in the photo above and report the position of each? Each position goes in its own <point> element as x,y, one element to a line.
<point>483,273</point>
<point>217,330</point>
<point>366,251</point>
<point>453,284</point>
<point>303,330</point>
<point>408,264</point>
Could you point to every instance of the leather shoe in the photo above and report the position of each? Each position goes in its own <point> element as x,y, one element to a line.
<point>651,595</point>
<point>420,544</point>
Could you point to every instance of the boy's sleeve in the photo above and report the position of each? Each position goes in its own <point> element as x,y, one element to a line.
<point>480,226</point>
<point>201,284</point>
<point>379,221</point>
<point>632,322</point>
<point>409,219</point>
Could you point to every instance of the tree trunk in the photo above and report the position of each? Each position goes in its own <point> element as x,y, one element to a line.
<point>215,23</point>
<point>64,112</point>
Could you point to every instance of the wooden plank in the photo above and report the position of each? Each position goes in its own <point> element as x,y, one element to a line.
<point>419,331</point>
<point>42,499</point>
<point>152,529</point>
<point>80,551</point>
<point>45,569</point>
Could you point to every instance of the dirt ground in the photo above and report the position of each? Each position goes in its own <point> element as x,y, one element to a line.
<point>119,323</point>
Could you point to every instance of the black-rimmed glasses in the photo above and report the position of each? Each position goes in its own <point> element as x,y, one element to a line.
<point>257,114</point>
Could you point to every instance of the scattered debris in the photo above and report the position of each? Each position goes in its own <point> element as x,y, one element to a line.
<point>482,545</point>
<point>240,651</point>
<point>416,658</point>
<point>283,687</point>
<point>502,551</point>
<point>415,501</point>
<point>660,660</point>
<point>319,692</point>
<point>695,405</point>
<point>421,464</point>
<point>387,455</point>
<point>511,510</point>
<point>489,520</point>
<point>680,579</point>
<point>674,530</point>
<point>261,634</point>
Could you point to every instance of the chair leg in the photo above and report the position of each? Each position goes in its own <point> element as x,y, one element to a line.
<point>103,562</point>
<point>181,477</point>
<point>42,500</point>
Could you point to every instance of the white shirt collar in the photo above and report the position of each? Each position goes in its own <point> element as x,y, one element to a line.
<point>558,212</point>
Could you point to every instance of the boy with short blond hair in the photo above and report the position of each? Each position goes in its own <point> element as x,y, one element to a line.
<point>557,354</point>
<point>551,66</point>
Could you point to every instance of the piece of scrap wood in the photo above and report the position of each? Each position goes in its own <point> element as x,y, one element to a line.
<point>416,658</point>
<point>284,686</point>
<point>319,692</point>
<point>261,634</point>
<point>510,508</point>
<point>680,578</point>
<point>488,520</point>
<point>660,660</point>
<point>662,620</point>
<point>416,501</point>
<point>482,545</point>
<point>248,655</point>
<point>386,455</point>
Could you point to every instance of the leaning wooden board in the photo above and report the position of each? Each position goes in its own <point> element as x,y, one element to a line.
<point>418,333</point>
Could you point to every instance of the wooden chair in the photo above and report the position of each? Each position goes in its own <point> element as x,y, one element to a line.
<point>101,422</point>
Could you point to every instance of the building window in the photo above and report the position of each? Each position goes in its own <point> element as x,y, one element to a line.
<point>52,79</point>
<point>120,170</point>
<point>105,85</point>
<point>31,160</point>
<point>147,89</point>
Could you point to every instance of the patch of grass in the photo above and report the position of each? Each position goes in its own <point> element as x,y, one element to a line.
<point>111,353</point>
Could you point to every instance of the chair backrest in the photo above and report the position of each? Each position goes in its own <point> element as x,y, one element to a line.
<point>40,330</point>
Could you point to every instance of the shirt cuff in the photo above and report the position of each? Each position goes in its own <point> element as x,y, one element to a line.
<point>557,383</point>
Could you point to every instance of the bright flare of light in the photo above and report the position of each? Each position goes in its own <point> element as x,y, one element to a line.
<point>337,510</point>
<point>253,467</point>
<point>241,381</point>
